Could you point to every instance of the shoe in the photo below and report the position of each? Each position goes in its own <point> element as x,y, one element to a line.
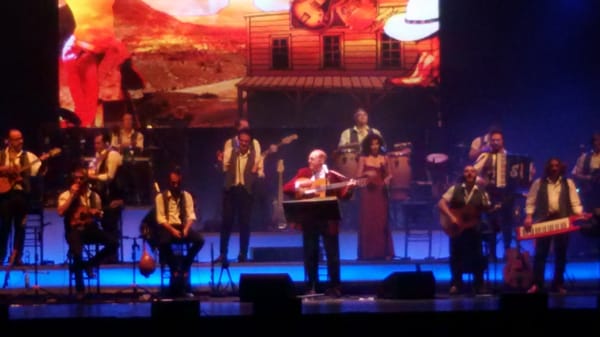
<point>80,296</point>
<point>561,290</point>
<point>534,289</point>
<point>481,290</point>
<point>454,290</point>
<point>242,258</point>
<point>310,292</point>
<point>334,292</point>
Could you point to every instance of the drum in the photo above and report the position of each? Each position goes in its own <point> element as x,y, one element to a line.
<point>346,161</point>
<point>401,175</point>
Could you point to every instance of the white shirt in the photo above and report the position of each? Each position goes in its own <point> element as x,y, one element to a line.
<point>84,200</point>
<point>173,211</point>
<point>362,133</point>
<point>554,189</point>
<point>34,166</point>
<point>113,161</point>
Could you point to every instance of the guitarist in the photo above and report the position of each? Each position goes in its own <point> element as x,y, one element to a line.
<point>465,229</point>
<point>299,187</point>
<point>552,196</point>
<point>81,209</point>
<point>586,174</point>
<point>14,204</point>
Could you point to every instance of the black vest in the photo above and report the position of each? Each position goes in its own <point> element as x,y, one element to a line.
<point>541,201</point>
<point>249,176</point>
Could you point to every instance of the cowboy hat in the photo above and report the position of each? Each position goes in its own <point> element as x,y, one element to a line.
<point>420,21</point>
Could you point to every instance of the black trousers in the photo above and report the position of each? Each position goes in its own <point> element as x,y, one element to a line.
<point>237,205</point>
<point>13,210</point>
<point>77,238</point>
<point>311,233</point>
<point>166,239</point>
<point>542,249</point>
<point>466,256</point>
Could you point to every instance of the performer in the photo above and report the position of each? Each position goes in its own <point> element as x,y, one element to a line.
<point>552,196</point>
<point>481,144</point>
<point>461,207</point>
<point>351,140</point>
<point>130,144</point>
<point>374,234</point>
<point>175,215</point>
<point>81,209</point>
<point>106,177</point>
<point>353,137</point>
<point>14,203</point>
<point>586,173</point>
<point>492,175</point>
<point>299,187</point>
<point>242,166</point>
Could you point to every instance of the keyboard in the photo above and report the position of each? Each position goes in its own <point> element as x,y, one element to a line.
<point>550,227</point>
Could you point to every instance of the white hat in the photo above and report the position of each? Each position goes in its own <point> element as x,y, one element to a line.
<point>422,19</point>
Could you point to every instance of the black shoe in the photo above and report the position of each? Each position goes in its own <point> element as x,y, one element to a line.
<point>89,270</point>
<point>242,258</point>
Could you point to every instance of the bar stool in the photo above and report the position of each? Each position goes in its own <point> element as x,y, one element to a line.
<point>90,249</point>
<point>168,283</point>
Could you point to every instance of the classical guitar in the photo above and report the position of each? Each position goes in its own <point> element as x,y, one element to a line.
<point>468,217</point>
<point>278,217</point>
<point>309,12</point>
<point>7,181</point>
<point>319,187</point>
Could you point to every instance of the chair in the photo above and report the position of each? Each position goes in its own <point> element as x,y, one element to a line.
<point>90,249</point>
<point>414,230</point>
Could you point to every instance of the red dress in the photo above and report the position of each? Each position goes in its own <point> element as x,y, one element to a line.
<point>374,232</point>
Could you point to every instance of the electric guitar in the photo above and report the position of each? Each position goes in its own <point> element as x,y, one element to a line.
<point>278,217</point>
<point>8,180</point>
<point>468,217</point>
<point>274,147</point>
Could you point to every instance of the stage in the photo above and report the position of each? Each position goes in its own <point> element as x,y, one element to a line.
<point>37,298</point>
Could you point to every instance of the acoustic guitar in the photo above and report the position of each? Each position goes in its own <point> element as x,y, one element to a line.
<point>8,180</point>
<point>518,270</point>
<point>468,217</point>
<point>318,188</point>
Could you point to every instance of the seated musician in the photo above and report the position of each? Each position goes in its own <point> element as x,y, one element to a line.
<point>462,206</point>
<point>175,215</point>
<point>586,174</point>
<point>303,185</point>
<point>552,196</point>
<point>81,209</point>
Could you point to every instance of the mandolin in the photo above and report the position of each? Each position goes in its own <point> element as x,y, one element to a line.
<point>7,181</point>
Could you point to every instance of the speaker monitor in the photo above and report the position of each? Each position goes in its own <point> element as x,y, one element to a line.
<point>408,285</point>
<point>270,294</point>
<point>262,287</point>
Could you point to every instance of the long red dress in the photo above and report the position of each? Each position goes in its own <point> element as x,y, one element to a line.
<point>374,234</point>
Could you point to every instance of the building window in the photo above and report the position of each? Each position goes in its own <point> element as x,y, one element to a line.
<point>390,52</point>
<point>332,52</point>
<point>280,53</point>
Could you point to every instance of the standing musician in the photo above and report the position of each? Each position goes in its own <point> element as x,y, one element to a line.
<point>81,209</point>
<point>462,205</point>
<point>356,134</point>
<point>242,166</point>
<point>586,174</point>
<point>492,175</point>
<point>175,216</point>
<point>105,176</point>
<point>130,144</point>
<point>299,187</point>
<point>550,197</point>
<point>14,202</point>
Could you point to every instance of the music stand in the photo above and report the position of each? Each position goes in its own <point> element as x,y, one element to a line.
<point>303,210</point>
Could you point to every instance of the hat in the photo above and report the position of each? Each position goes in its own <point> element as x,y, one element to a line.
<point>422,19</point>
